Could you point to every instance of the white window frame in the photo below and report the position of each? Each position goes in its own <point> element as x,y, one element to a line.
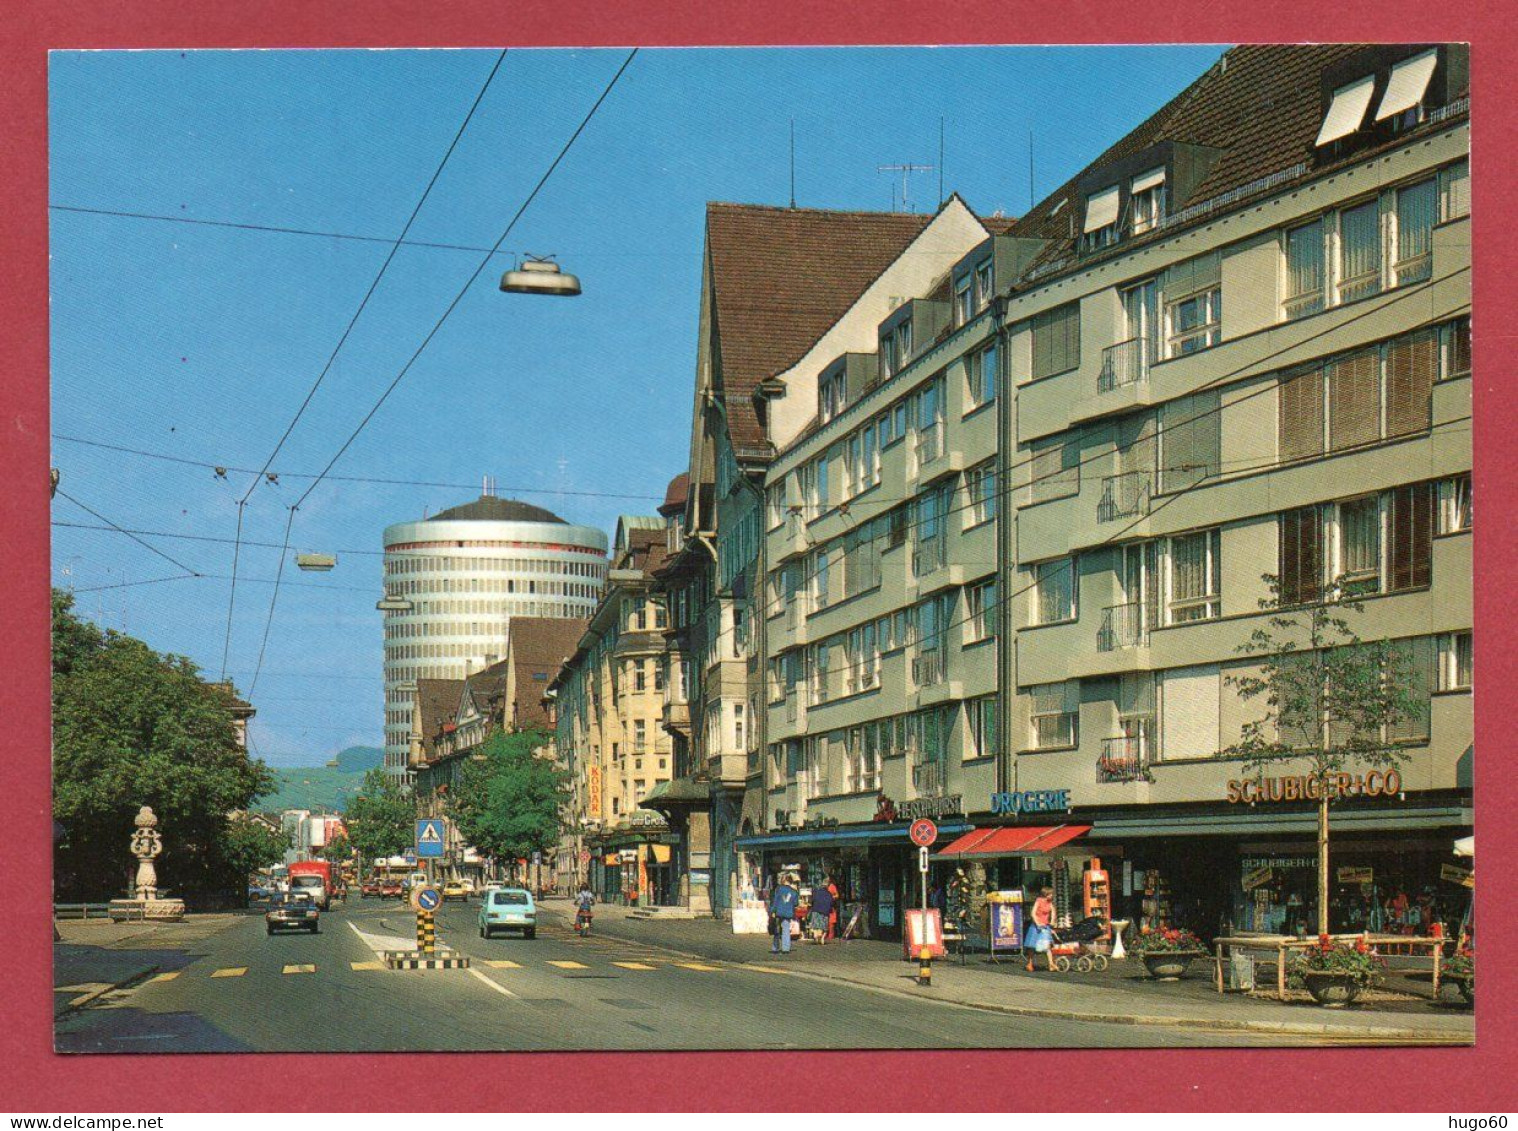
<point>980,493</point>
<point>1211,602</point>
<point>983,742</point>
<point>1456,661</point>
<point>1372,282</point>
<point>1207,332</point>
<point>1067,566</point>
<point>1455,505</point>
<point>964,299</point>
<point>1362,582</point>
<point>980,611</point>
<point>1309,301</point>
<point>976,376</point>
<point>1065,723</point>
<point>985,283</point>
<point>1146,202</point>
<point>1419,266</point>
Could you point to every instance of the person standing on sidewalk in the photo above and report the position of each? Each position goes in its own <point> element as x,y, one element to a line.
<point>783,908</point>
<point>1040,933</point>
<point>827,882</point>
<point>824,910</point>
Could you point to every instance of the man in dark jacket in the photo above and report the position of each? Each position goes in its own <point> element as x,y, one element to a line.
<point>783,908</point>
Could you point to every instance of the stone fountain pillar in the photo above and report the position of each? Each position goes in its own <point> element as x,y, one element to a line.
<point>146,844</point>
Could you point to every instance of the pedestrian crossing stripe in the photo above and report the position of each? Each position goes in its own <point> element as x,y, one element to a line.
<point>502,964</point>
<point>632,965</point>
<point>569,965</point>
<point>367,965</point>
<point>299,968</point>
<point>168,977</point>
<point>230,972</point>
<point>697,966</point>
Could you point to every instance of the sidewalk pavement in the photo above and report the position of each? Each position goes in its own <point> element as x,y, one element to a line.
<point>95,956</point>
<point>1122,995</point>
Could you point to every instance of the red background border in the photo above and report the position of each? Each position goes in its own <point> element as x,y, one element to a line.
<point>1181,1080</point>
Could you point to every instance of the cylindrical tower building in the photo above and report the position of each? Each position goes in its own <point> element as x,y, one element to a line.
<point>466,572</point>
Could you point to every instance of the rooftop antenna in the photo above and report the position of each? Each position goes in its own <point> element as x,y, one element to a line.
<point>940,162</point>
<point>1031,197</point>
<point>906,171</point>
<point>793,162</point>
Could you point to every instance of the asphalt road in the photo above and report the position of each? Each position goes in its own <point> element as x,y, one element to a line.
<point>246,991</point>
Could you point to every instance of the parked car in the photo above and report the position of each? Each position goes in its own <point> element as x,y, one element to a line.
<point>257,892</point>
<point>455,889</point>
<point>370,887</point>
<point>508,909</point>
<point>293,911</point>
<point>390,889</point>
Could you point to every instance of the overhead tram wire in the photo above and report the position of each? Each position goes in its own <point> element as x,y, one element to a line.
<point>438,325</point>
<point>332,359</point>
<point>115,526</point>
<point>347,478</point>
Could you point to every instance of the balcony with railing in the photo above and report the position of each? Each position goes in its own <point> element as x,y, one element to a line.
<point>1123,626</point>
<point>1124,364</point>
<point>930,778</point>
<point>1126,758</point>
<point>928,667</point>
<point>1124,496</point>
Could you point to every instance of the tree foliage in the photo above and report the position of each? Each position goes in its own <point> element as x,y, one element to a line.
<point>252,845</point>
<point>134,727</point>
<point>506,801</point>
<point>1333,702</point>
<point>338,849</point>
<point>381,819</point>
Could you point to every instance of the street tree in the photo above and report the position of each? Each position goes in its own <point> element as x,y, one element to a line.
<point>1333,704</point>
<point>134,727</point>
<point>505,801</point>
<point>338,849</point>
<point>381,816</point>
<point>251,845</point>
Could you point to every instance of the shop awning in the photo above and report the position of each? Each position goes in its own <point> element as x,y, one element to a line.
<point>1027,840</point>
<point>680,793</point>
<point>1466,846</point>
<point>847,834</point>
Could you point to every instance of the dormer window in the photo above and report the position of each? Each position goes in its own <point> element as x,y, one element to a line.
<point>1405,91</point>
<point>831,396</point>
<point>985,282</point>
<point>964,300</point>
<point>1346,111</point>
<point>1101,218</point>
<point>1146,201</point>
<point>895,348</point>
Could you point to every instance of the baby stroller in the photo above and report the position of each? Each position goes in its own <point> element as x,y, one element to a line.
<point>1078,942</point>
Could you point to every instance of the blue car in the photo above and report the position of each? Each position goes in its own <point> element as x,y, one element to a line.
<point>508,909</point>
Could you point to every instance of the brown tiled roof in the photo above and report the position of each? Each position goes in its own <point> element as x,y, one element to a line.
<point>780,278</point>
<point>1260,107</point>
<point>676,493</point>
<point>538,646</point>
<point>437,700</point>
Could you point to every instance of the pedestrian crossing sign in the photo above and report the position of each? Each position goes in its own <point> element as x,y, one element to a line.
<point>429,837</point>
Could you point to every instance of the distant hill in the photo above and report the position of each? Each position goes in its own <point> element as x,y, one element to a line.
<point>322,787</point>
<point>359,759</point>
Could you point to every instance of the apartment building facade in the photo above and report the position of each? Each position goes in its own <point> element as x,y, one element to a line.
<point>1235,345</point>
<point>607,704</point>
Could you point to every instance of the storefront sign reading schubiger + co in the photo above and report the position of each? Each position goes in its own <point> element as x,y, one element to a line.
<point>1307,787</point>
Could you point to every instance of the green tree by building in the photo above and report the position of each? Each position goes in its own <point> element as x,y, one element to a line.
<point>134,727</point>
<point>505,801</point>
<point>1333,703</point>
<point>381,819</point>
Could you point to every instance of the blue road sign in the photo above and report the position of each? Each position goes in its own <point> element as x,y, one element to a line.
<point>429,837</point>
<point>428,899</point>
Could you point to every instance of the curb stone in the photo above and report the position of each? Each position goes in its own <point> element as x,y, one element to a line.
<point>1240,1025</point>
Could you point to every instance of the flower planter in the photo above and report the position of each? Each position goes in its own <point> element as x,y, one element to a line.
<point>1169,965</point>
<point>1331,989</point>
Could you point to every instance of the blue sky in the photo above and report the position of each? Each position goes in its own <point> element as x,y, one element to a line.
<point>200,343</point>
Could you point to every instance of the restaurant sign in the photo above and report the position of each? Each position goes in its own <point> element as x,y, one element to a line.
<point>1308,787</point>
<point>1031,801</point>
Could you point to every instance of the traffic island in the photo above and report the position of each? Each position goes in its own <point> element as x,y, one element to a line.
<point>418,960</point>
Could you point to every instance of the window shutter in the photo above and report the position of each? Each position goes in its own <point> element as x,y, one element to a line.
<point>1301,567</point>
<point>1190,440</point>
<point>1136,444</point>
<point>1301,415</point>
<point>1190,702</point>
<point>1056,340</point>
<point>1412,536</point>
<point>1354,402</point>
<point>1412,363</point>
<point>1417,668</point>
<point>1202,273</point>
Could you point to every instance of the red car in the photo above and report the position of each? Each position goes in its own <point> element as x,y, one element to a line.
<point>369,887</point>
<point>390,889</point>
